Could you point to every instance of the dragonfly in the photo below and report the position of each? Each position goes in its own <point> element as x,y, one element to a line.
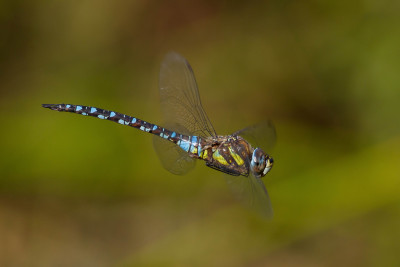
<point>188,135</point>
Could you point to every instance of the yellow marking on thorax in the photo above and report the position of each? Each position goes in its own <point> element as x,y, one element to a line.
<point>235,156</point>
<point>194,150</point>
<point>219,158</point>
<point>204,154</point>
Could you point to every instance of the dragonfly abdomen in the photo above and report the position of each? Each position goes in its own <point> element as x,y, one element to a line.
<point>106,115</point>
<point>190,144</point>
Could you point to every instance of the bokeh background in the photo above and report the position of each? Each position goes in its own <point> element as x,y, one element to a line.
<point>77,191</point>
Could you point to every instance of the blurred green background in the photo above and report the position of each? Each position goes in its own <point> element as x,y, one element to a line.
<point>77,191</point>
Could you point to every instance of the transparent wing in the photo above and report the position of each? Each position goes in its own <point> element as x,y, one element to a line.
<point>180,99</point>
<point>171,156</point>
<point>262,135</point>
<point>251,192</point>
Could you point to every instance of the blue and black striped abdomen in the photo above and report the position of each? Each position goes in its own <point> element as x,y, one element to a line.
<point>190,144</point>
<point>107,115</point>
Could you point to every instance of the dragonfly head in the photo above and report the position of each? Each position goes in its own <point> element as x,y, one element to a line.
<point>261,163</point>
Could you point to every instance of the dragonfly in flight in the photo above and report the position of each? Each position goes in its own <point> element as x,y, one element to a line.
<point>189,136</point>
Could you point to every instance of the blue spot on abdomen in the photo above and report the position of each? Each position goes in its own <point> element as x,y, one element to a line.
<point>194,139</point>
<point>185,145</point>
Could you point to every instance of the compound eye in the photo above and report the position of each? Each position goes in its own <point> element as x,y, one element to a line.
<point>258,160</point>
<point>258,154</point>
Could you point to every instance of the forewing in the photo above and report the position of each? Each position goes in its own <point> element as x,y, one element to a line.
<point>262,135</point>
<point>180,99</point>
<point>251,192</point>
